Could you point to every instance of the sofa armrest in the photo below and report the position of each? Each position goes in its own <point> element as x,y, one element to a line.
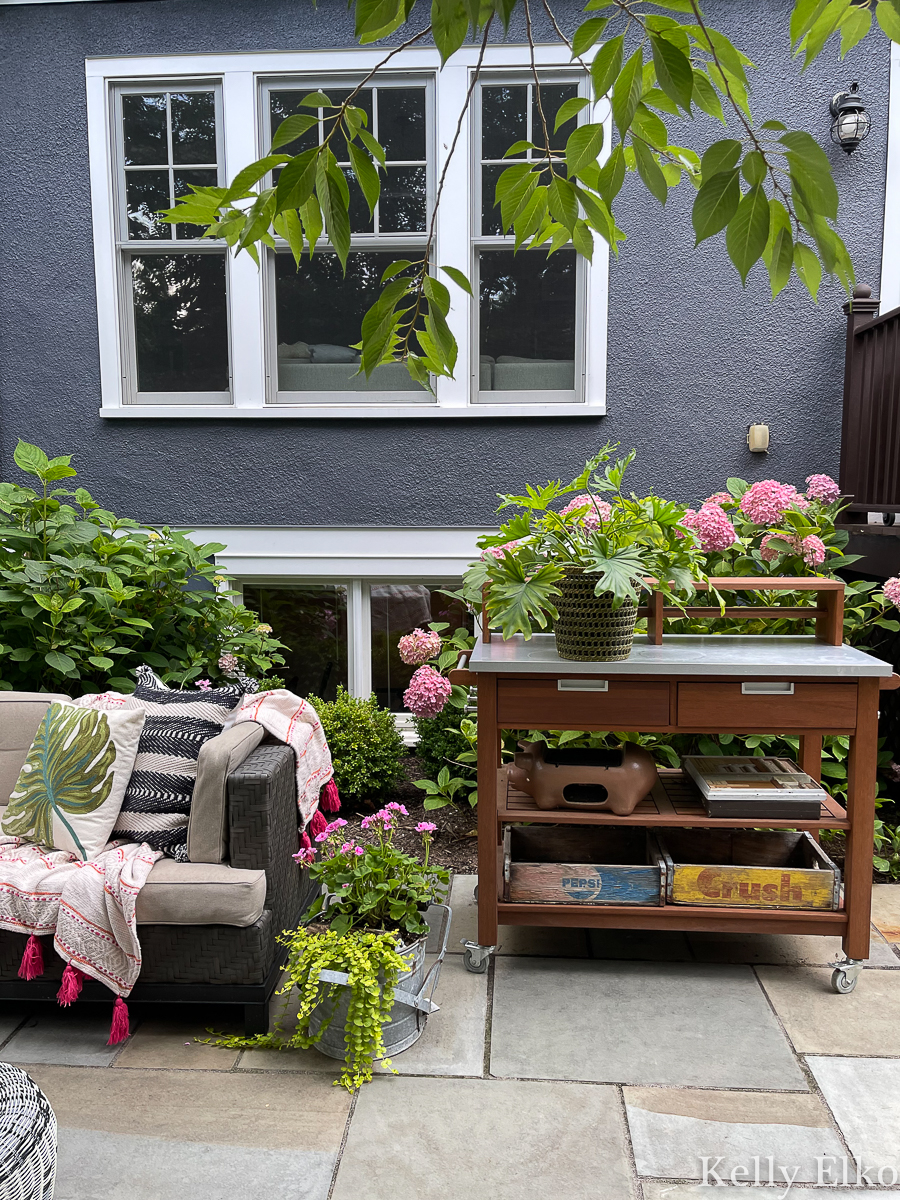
<point>263,828</point>
<point>207,829</point>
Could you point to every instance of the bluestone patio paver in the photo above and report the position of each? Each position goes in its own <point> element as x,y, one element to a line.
<point>671,1129</point>
<point>682,1024</point>
<point>864,1095</point>
<point>513,939</point>
<point>819,1021</point>
<point>64,1037</point>
<point>193,1135</point>
<point>166,1044</point>
<point>783,949</point>
<point>483,1139</point>
<point>886,910</point>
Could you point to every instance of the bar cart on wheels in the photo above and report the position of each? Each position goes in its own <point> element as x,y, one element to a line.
<point>714,684</point>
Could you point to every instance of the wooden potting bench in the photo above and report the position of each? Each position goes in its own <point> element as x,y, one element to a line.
<point>808,686</point>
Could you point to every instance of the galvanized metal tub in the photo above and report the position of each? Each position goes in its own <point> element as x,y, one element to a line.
<point>412,998</point>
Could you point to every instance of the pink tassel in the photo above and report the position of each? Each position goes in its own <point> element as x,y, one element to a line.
<point>329,800</point>
<point>305,843</point>
<point>119,1030</point>
<point>70,989</point>
<point>317,823</point>
<point>32,964</point>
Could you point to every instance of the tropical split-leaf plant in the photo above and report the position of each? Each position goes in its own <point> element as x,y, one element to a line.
<point>86,596</point>
<point>625,540</point>
<point>652,65</point>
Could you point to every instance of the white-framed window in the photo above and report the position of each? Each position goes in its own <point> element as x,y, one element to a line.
<point>185,328</point>
<point>889,291</point>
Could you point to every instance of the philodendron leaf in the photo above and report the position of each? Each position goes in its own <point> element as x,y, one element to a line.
<point>517,600</point>
<point>619,571</point>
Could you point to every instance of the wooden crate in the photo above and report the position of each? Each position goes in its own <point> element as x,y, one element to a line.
<point>581,865</point>
<point>748,869</point>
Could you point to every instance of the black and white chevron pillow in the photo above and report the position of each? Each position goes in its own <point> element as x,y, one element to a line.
<point>158,797</point>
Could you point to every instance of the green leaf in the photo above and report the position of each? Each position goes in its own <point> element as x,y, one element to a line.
<point>334,207</point>
<point>715,204</point>
<point>854,27</point>
<point>779,252</point>
<point>567,110</point>
<point>61,662</point>
<point>804,16</point>
<point>587,34</point>
<point>612,176</point>
<point>374,148</point>
<point>619,570</point>
<point>377,19</point>
<point>583,146</point>
<point>30,458</point>
<point>449,26</point>
<point>627,91</point>
<point>562,203</point>
<point>888,19</point>
<point>828,21</point>
<point>673,71</point>
<point>648,126</point>
<point>516,600</point>
<point>292,128</point>
<point>753,168</point>
<point>649,171</point>
<point>437,293</point>
<point>706,97</point>
<point>252,174</point>
<point>101,661</point>
<point>366,175</point>
<point>721,156</point>
<point>606,65</point>
<point>458,278</point>
<point>808,268</point>
<point>748,231</point>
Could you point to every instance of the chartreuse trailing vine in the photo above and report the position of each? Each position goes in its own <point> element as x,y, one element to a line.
<point>373,965</point>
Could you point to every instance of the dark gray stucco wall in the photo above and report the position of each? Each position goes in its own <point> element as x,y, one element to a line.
<point>693,358</point>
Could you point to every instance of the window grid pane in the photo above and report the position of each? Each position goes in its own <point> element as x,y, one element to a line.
<point>398,608</point>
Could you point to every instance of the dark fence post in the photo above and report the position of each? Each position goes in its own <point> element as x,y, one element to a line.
<point>856,429</point>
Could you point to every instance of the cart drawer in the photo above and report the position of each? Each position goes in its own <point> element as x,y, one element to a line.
<point>582,865</point>
<point>573,703</point>
<point>721,868</point>
<point>759,704</point>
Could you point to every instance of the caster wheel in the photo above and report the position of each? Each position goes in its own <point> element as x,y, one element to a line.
<point>840,983</point>
<point>477,968</point>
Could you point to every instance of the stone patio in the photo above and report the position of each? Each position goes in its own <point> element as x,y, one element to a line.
<point>602,1064</point>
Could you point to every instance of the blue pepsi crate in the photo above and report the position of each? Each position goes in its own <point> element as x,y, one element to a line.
<point>582,864</point>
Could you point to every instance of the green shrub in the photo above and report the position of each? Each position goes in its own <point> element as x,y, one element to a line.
<point>86,597</point>
<point>366,748</point>
<point>440,740</point>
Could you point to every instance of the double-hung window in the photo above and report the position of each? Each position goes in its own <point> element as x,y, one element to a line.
<point>187,328</point>
<point>173,287</point>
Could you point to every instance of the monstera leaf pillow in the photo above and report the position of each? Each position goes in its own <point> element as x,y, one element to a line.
<point>71,786</point>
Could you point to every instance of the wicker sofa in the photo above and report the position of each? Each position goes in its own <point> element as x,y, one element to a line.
<point>208,927</point>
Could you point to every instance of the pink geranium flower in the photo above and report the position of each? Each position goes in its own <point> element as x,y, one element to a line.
<point>426,827</point>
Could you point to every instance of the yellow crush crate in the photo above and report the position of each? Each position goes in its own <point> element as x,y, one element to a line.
<point>743,868</point>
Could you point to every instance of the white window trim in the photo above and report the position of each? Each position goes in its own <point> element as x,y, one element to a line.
<point>240,75</point>
<point>889,291</point>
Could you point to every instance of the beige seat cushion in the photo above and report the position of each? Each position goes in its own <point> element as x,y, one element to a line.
<point>201,894</point>
<point>20,715</point>
<point>206,835</point>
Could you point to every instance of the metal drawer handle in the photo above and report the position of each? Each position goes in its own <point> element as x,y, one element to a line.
<point>767,689</point>
<point>586,685</point>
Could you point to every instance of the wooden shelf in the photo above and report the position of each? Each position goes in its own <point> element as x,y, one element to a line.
<point>675,800</point>
<point>685,917</point>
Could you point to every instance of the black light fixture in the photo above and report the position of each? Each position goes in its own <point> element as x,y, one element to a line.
<point>851,121</point>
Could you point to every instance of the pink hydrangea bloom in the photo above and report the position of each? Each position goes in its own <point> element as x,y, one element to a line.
<point>228,663</point>
<point>497,551</point>
<point>769,553</point>
<point>427,693</point>
<point>712,527</point>
<point>892,591</point>
<point>813,550</point>
<point>417,647</point>
<point>822,487</point>
<point>767,499</point>
<point>598,511</point>
<point>426,827</point>
<point>719,498</point>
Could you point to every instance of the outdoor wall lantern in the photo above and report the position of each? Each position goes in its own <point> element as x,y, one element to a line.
<point>851,121</point>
